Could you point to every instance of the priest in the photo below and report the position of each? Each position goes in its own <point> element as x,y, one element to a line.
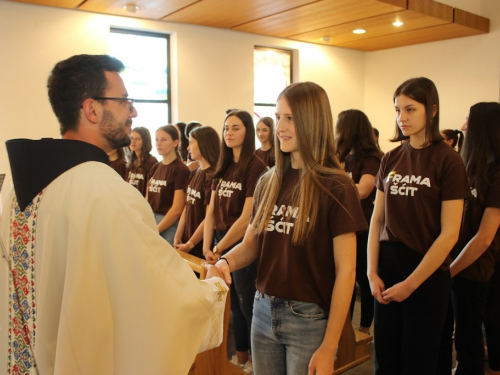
<point>92,287</point>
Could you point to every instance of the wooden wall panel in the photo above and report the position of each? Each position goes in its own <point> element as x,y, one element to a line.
<point>471,20</point>
<point>227,14</point>
<point>151,9</point>
<point>431,34</point>
<point>375,26</point>
<point>53,3</point>
<point>307,20</point>
<point>315,16</point>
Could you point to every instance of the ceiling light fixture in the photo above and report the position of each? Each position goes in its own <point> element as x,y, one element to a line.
<point>398,23</point>
<point>359,31</point>
<point>326,39</point>
<point>132,8</point>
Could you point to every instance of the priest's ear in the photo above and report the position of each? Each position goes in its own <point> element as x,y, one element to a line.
<point>92,110</point>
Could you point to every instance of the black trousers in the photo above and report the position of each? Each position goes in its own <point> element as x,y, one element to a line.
<point>469,304</point>
<point>367,299</point>
<point>492,320</point>
<point>242,292</point>
<point>408,334</point>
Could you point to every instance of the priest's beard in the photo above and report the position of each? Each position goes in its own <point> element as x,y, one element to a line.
<point>114,132</point>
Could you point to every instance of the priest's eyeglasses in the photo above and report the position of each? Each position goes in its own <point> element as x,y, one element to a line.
<point>128,100</point>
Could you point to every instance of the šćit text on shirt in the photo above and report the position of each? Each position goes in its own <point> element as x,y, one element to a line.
<point>281,219</point>
<point>155,185</point>
<point>226,188</point>
<point>406,185</point>
<point>192,195</point>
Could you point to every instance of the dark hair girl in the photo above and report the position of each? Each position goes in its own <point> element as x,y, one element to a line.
<point>141,161</point>
<point>228,215</point>
<point>265,133</point>
<point>476,265</point>
<point>416,221</point>
<point>167,185</point>
<point>204,148</point>
<point>453,138</point>
<point>360,155</point>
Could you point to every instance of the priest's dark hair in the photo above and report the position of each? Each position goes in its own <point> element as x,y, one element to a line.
<point>75,79</point>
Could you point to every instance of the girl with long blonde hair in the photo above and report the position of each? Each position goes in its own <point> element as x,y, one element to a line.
<point>303,233</point>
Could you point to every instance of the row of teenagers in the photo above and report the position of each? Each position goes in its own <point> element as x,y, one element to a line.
<point>291,237</point>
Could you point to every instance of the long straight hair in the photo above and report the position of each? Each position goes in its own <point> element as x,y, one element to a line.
<point>145,149</point>
<point>247,149</point>
<point>481,149</point>
<point>313,121</point>
<point>172,132</point>
<point>423,91</point>
<point>269,122</point>
<point>354,132</point>
<point>208,143</point>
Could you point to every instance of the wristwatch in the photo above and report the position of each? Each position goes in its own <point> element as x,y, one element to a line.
<point>214,249</point>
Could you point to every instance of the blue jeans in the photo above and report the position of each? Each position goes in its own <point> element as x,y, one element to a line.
<point>285,335</point>
<point>169,233</point>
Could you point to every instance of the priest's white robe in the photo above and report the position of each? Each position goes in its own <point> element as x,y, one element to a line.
<point>111,295</point>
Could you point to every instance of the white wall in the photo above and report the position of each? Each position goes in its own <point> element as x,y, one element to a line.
<point>212,68</point>
<point>465,71</point>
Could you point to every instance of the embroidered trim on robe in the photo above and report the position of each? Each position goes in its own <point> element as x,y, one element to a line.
<point>22,306</point>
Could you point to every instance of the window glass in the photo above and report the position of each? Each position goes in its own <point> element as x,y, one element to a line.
<point>146,75</point>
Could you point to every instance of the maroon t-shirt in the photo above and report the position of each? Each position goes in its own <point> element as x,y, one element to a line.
<point>198,197</point>
<point>482,269</point>
<point>139,176</point>
<point>356,169</point>
<point>306,273</point>
<point>166,179</point>
<point>267,157</point>
<point>231,192</point>
<point>415,182</point>
<point>120,166</point>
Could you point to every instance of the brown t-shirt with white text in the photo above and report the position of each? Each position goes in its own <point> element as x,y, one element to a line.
<point>307,272</point>
<point>356,169</point>
<point>139,176</point>
<point>266,156</point>
<point>166,179</point>
<point>231,192</point>
<point>120,166</point>
<point>415,182</point>
<point>198,197</point>
<point>482,269</point>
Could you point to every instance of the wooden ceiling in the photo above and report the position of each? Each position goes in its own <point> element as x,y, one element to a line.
<point>328,22</point>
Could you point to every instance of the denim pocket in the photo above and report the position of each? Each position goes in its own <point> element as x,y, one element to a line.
<point>306,310</point>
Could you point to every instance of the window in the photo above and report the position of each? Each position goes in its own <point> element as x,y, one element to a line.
<point>272,73</point>
<point>146,75</point>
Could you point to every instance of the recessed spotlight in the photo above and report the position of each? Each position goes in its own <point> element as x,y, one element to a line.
<point>132,8</point>
<point>359,31</point>
<point>326,39</point>
<point>398,23</point>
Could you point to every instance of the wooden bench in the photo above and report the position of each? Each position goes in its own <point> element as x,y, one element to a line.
<point>352,348</point>
<point>213,361</point>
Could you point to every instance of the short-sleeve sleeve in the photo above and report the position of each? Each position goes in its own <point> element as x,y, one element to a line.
<point>257,167</point>
<point>345,212</point>
<point>181,179</point>
<point>454,182</point>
